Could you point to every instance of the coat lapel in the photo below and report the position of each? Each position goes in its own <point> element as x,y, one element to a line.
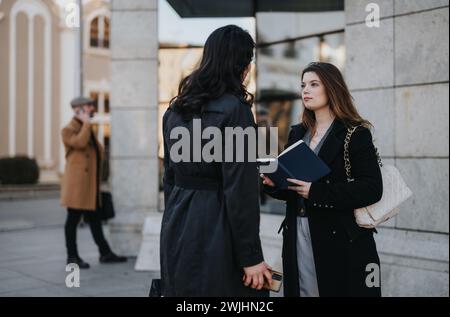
<point>333,143</point>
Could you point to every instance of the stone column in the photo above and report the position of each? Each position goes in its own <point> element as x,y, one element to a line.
<point>134,120</point>
<point>69,79</point>
<point>398,74</point>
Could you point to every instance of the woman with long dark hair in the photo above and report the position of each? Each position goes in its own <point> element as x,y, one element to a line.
<point>210,243</point>
<point>325,253</point>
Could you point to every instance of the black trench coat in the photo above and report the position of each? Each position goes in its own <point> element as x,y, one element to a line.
<point>341,248</point>
<point>210,226</point>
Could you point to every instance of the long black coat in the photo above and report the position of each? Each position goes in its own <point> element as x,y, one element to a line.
<point>341,248</point>
<point>210,227</point>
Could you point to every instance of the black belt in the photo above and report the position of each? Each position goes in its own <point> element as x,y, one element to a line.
<point>199,183</point>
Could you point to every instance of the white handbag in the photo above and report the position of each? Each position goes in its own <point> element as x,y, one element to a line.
<point>395,191</point>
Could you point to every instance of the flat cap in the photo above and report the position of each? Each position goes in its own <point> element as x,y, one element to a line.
<point>79,101</point>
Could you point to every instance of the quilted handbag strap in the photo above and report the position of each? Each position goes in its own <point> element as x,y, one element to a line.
<point>348,166</point>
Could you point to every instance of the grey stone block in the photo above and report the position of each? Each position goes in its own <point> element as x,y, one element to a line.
<point>421,47</point>
<point>134,84</point>
<point>129,179</point>
<point>413,263</point>
<point>403,281</point>
<point>148,259</point>
<point>134,4</point>
<point>132,203</point>
<point>377,106</point>
<point>370,55</point>
<point>411,6</point>
<point>134,133</point>
<point>134,34</point>
<point>414,245</point>
<point>126,233</point>
<point>422,121</point>
<point>355,10</point>
<point>428,208</point>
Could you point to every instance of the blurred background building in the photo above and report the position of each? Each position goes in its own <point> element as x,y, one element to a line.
<point>37,47</point>
<point>134,53</point>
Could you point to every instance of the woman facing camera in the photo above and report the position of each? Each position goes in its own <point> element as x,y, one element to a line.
<point>210,243</point>
<point>325,253</point>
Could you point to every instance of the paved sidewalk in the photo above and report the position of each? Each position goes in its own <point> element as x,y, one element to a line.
<point>32,256</point>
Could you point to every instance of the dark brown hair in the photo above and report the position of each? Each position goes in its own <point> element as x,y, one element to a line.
<point>227,53</point>
<point>339,98</point>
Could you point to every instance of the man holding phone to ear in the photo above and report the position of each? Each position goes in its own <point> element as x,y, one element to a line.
<point>80,188</point>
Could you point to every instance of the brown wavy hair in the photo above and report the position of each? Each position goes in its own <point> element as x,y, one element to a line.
<point>339,98</point>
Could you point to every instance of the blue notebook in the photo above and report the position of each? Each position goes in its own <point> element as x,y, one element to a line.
<point>298,161</point>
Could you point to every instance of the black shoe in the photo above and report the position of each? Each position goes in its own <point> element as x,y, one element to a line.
<point>79,261</point>
<point>112,258</point>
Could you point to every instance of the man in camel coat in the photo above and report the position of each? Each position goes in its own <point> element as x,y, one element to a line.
<point>80,187</point>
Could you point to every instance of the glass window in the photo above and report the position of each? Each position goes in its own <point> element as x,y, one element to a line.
<point>94,95</point>
<point>332,50</point>
<point>94,33</point>
<point>100,32</point>
<point>106,34</point>
<point>106,103</point>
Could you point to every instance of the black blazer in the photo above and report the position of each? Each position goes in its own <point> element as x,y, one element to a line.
<point>341,248</point>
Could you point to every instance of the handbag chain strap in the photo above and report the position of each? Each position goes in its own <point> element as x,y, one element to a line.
<point>348,166</point>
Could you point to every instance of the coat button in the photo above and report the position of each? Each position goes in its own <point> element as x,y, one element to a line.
<point>351,241</point>
<point>315,204</point>
<point>326,206</point>
<point>334,231</point>
<point>327,181</point>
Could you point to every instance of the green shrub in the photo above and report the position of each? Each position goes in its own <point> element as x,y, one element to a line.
<point>18,170</point>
